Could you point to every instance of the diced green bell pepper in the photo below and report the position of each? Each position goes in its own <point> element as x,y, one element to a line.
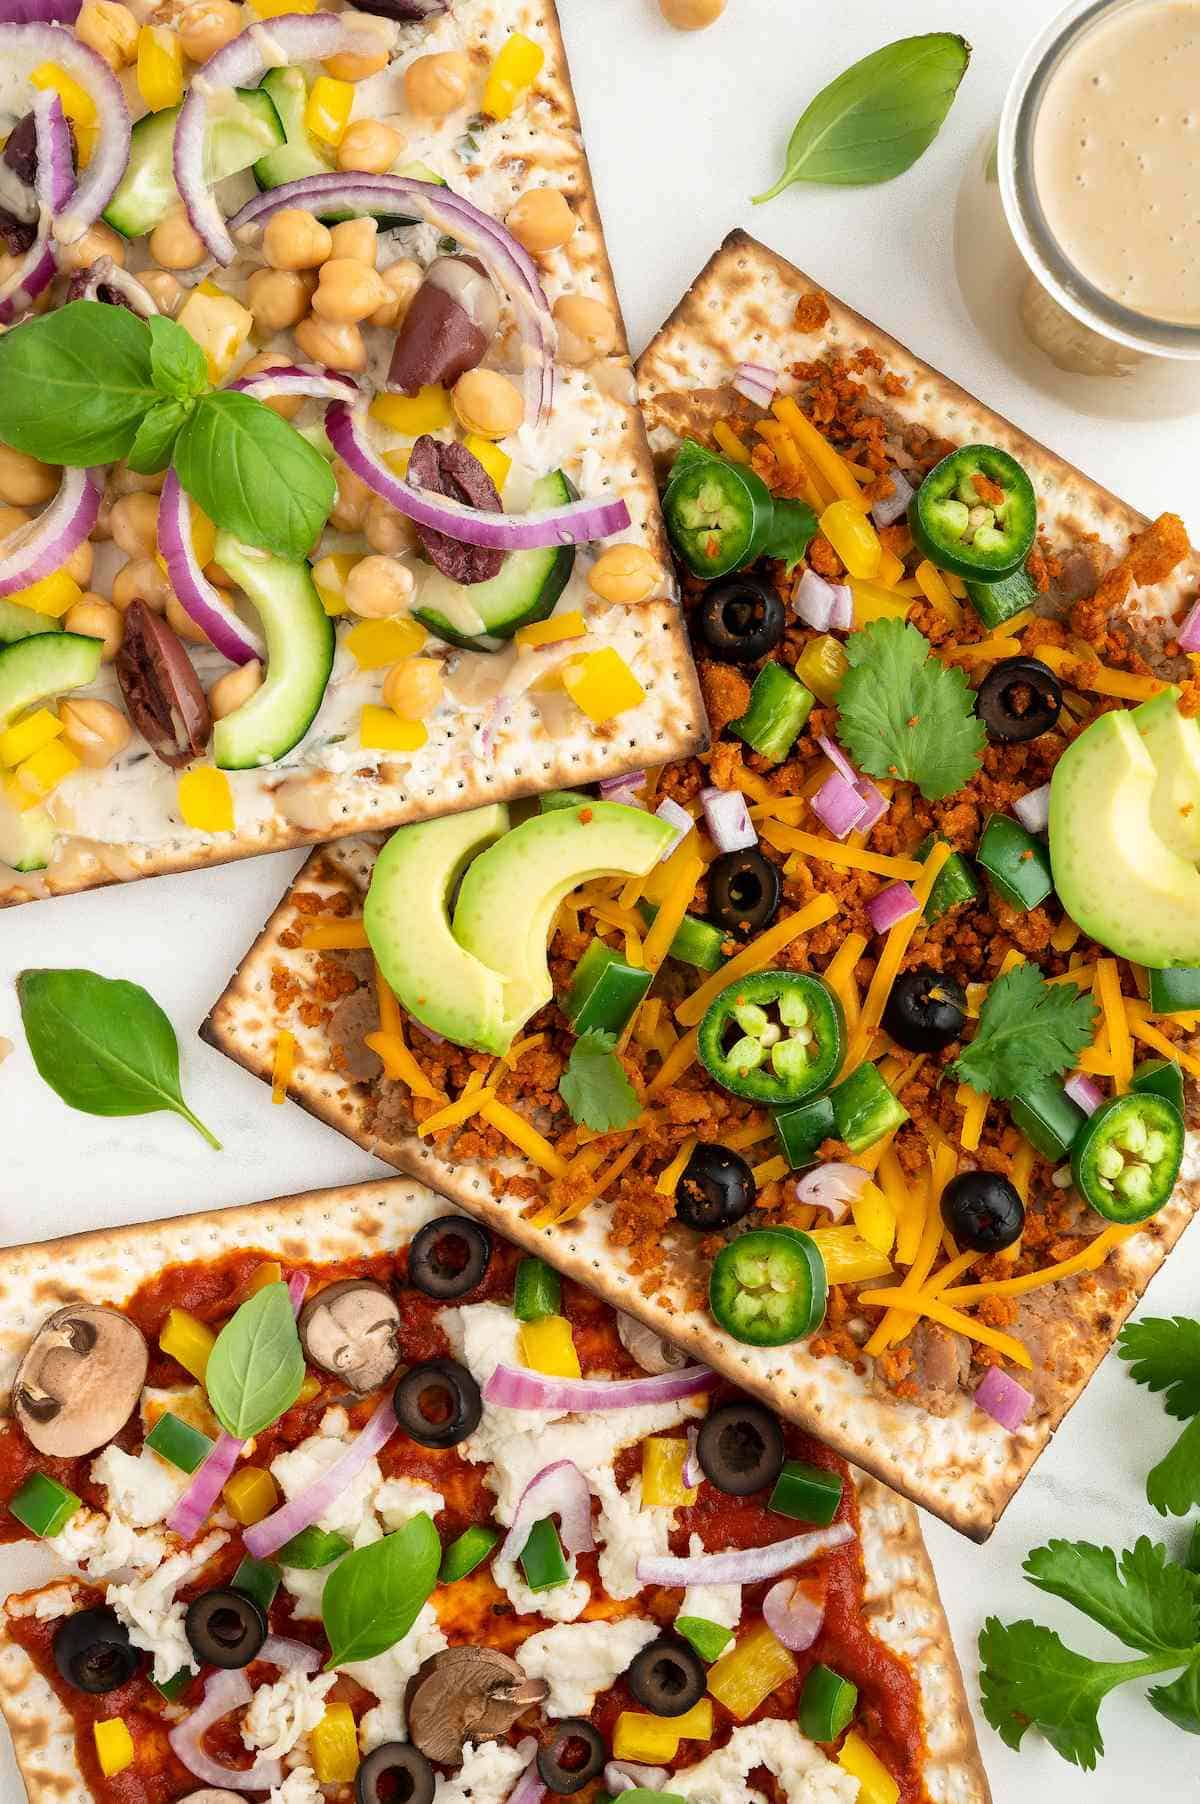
<point>710,1639</point>
<point>42,1505</point>
<point>954,884</point>
<point>173,1688</point>
<point>1162,1077</point>
<point>312,1548</point>
<point>997,602</point>
<point>470,1550</point>
<point>827,1703</point>
<point>696,942</point>
<point>807,1493</point>
<point>779,707</point>
<point>259,1580</point>
<point>1048,1118</point>
<point>1175,991</point>
<point>604,991</point>
<point>1017,864</point>
<point>864,1109</point>
<point>801,1128</point>
<point>179,1443</point>
<point>563,798</point>
<point>537,1291</point>
<point>542,1558</point>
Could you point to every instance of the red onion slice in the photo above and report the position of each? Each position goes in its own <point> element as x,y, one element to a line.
<point>756,382</point>
<point>529,1788</point>
<point>288,1655</point>
<point>1083,1092</point>
<point>576,524</point>
<point>197,596</point>
<point>877,804</point>
<point>895,903</point>
<point>1189,633</point>
<point>1006,1401</point>
<point>296,379</point>
<point>515,1387</point>
<point>271,1533</point>
<point>632,779</point>
<point>692,1474</point>
<point>192,1509</point>
<point>837,758</point>
<point>224,1693</point>
<point>39,12</point>
<point>792,1614</point>
<point>44,545</point>
<point>838,805</point>
<point>832,1187</point>
<point>627,1775</point>
<point>559,1490</point>
<point>104,273</point>
<point>25,46</point>
<point>729,825</point>
<point>743,1566</point>
<point>889,510</point>
<point>1033,809</point>
<point>677,817</point>
<point>297,1286</point>
<point>54,184</point>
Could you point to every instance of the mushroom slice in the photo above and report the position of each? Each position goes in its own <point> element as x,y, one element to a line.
<point>352,1329</point>
<point>80,1380</point>
<point>466,1694</point>
<point>214,1794</point>
<point>650,1350</point>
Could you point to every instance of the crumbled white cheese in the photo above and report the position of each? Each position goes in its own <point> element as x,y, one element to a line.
<point>300,1786</point>
<point>398,1500</point>
<point>306,1588</point>
<point>101,1546</point>
<point>487,1775</point>
<point>560,1603</point>
<point>142,1489</point>
<point>150,1612</point>
<point>579,1660</point>
<point>59,1600</point>
<point>806,1775</point>
<point>715,1603</point>
<point>303,1465</point>
<point>387,1676</point>
<point>280,1715</point>
<point>630,1531</point>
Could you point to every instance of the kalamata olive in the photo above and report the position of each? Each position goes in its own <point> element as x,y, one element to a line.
<point>739,620</point>
<point>225,1628</point>
<point>452,470</point>
<point>740,1448</point>
<point>437,1403</point>
<point>667,1677</point>
<point>983,1211</point>
<point>574,1754</point>
<point>16,234</point>
<point>449,325</point>
<point>93,1652</point>
<point>396,1773</point>
<point>406,11</point>
<point>1018,699</point>
<point>925,1011</point>
<point>715,1189</point>
<point>449,1256</point>
<point>162,692</point>
<point>744,891</point>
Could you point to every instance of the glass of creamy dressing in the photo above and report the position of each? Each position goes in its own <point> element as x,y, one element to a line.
<point>1077,232</point>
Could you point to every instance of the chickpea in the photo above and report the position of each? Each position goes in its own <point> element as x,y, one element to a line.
<point>338,345</point>
<point>586,328</point>
<point>488,403</point>
<point>174,244</point>
<point>234,689</point>
<point>10,519</point>
<point>348,291</point>
<point>691,15</point>
<point>96,618</point>
<point>286,406</point>
<point>134,525</point>
<point>140,580</point>
<point>541,220</point>
<point>388,530</point>
<point>79,565</point>
<point>217,573</point>
<point>401,279</point>
<point>98,241</point>
<point>95,731</point>
<point>110,30</point>
<point>349,65</point>
<point>207,26</point>
<point>24,481</point>
<point>295,239</point>
<point>278,298</point>
<point>353,498</point>
<point>413,688</point>
<point>356,238</point>
<point>181,621</point>
<point>378,587</point>
<point>437,85</point>
<point>369,145</point>
<point>163,289</point>
<point>132,482</point>
<point>625,573</point>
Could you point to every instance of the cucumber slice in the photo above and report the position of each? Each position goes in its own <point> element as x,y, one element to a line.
<point>529,584</point>
<point>17,622</point>
<point>31,670</point>
<point>287,91</point>
<point>300,642</point>
<point>235,138</point>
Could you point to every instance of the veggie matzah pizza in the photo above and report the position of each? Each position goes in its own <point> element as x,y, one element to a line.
<point>851,1082</point>
<point>356,1502</point>
<point>318,436</point>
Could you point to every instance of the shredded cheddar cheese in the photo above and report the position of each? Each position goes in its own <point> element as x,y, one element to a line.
<point>758,953</point>
<point>771,1171</point>
<point>1089,1260</point>
<point>974,1107</point>
<point>1120,1046</point>
<point>668,1181</point>
<point>348,935</point>
<point>524,1137</point>
<point>832,851</point>
<point>685,875</point>
<point>283,1065</point>
<point>1088,673</point>
<point>939,1311</point>
<point>730,443</point>
<point>455,1113</point>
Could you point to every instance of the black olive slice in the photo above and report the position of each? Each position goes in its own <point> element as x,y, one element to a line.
<point>449,1256</point>
<point>739,620</point>
<point>744,891</point>
<point>983,1211</point>
<point>93,1652</point>
<point>715,1189</point>
<point>574,1754</point>
<point>667,1677</point>
<point>396,1773</point>
<point>225,1628</point>
<point>1018,699</point>
<point>437,1403</point>
<point>925,1011</point>
<point>740,1448</point>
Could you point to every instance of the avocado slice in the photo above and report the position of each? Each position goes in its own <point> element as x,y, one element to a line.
<point>1115,876</point>
<point>510,895</point>
<point>407,918</point>
<point>1173,742</point>
<point>31,670</point>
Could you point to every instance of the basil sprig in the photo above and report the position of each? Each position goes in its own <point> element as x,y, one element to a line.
<point>93,383</point>
<point>372,1599</point>
<point>256,1368</point>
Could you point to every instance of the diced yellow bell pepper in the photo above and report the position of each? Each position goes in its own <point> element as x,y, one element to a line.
<point>114,1746</point>
<point>875,1218</point>
<point>426,411</point>
<point>821,666</point>
<point>662,1472</point>
<point>746,1676</point>
<point>327,113</point>
<point>496,462</point>
<point>849,1259</point>
<point>219,324</point>
<point>45,770</point>
<point>269,1272</point>
<point>382,731</point>
<point>374,644</point>
<point>329,575</point>
<point>29,736</point>
<point>397,460</point>
<point>517,66</point>
<point>653,1740</point>
<point>271,9</point>
<point>853,538</point>
<point>53,595</point>
<point>159,67</point>
<point>309,1389</point>
<point>187,1341</point>
<point>695,1724</point>
<point>333,1745</point>
<point>206,800</point>
<point>875,1783</point>
<point>250,1495</point>
<point>18,798</point>
<point>873,602</point>
<point>548,632</point>
<point>77,103</point>
<point>547,1345</point>
<point>601,684</point>
<point>891,568</point>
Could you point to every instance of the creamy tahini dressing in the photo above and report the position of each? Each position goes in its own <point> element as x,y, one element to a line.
<point>1117,158</point>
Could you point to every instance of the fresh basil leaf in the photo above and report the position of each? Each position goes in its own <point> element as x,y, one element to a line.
<point>1180,1701</point>
<point>256,1368</point>
<point>253,474</point>
<point>875,119</point>
<point>372,1599</point>
<point>103,1044</point>
<point>153,441</point>
<point>75,384</point>
<point>176,360</point>
<point>311,1549</point>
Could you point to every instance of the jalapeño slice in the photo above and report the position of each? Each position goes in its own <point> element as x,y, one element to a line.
<point>768,1287</point>
<point>975,514</point>
<point>719,515</point>
<point>1126,1159</point>
<point>773,1037</point>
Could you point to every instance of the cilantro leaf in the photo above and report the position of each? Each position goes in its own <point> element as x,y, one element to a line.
<point>1164,1355</point>
<point>1028,1030</point>
<point>1150,1603</point>
<point>1180,1702</point>
<point>1173,1486</point>
<point>594,1085</point>
<point>1032,1680</point>
<point>903,713</point>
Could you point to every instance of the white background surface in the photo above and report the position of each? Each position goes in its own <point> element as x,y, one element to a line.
<point>681,130</point>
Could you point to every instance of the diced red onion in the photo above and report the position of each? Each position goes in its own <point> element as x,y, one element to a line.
<point>294,379</point>
<point>743,1566</point>
<point>813,599</point>
<point>756,382</point>
<point>297,1286</point>
<point>54,184</point>
<point>895,903</point>
<point>838,805</point>
<point>24,46</point>
<point>832,1187</point>
<point>623,789</point>
<point>559,1490</point>
<point>39,12</point>
<point>1006,1401</point>
<point>842,617</point>
<point>193,1507</point>
<point>1188,635</point>
<point>529,1788</point>
<point>889,510</point>
<point>1033,809</point>
<point>515,1387</point>
<point>877,804</point>
<point>838,758</point>
<point>729,825</point>
<point>44,545</point>
<point>574,524</point>
<point>199,598</point>
<point>224,1693</point>
<point>792,1615</point>
<point>1083,1092</point>
<point>267,1536</point>
<point>670,811</point>
<point>693,1472</point>
<point>289,1655</point>
<point>627,1775</point>
<point>429,1032</point>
